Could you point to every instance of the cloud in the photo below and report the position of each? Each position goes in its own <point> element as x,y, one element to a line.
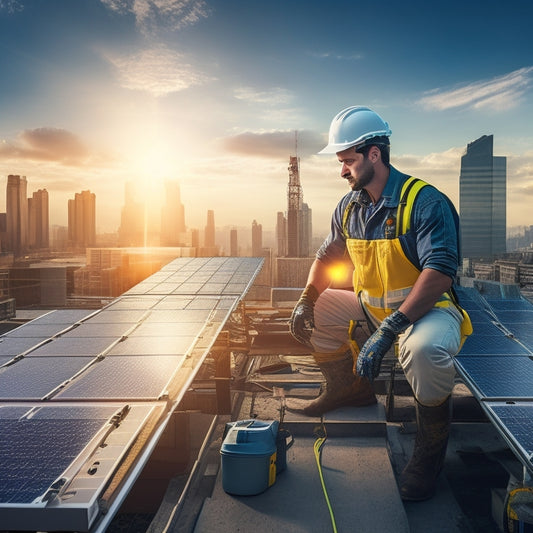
<point>274,96</point>
<point>46,144</point>
<point>276,144</point>
<point>158,71</point>
<point>152,16</point>
<point>498,94</point>
<point>338,57</point>
<point>11,6</point>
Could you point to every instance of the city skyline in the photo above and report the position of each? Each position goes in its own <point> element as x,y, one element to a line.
<point>211,93</point>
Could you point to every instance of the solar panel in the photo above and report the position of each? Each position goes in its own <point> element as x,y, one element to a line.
<point>516,421</point>
<point>56,460</point>
<point>498,376</point>
<point>35,451</point>
<point>73,346</point>
<point>204,277</point>
<point>13,346</point>
<point>118,316</point>
<point>33,378</point>
<point>492,345</point>
<point>518,316</point>
<point>511,305</point>
<point>62,316</point>
<point>89,363</point>
<point>124,377</point>
<point>37,331</point>
<point>92,330</point>
<point>162,345</point>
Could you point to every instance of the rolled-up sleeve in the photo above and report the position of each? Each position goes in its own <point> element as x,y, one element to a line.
<point>436,233</point>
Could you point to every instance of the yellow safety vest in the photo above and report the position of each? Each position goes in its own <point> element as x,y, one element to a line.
<point>383,275</point>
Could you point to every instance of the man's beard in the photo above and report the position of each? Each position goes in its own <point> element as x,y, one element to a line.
<point>364,178</point>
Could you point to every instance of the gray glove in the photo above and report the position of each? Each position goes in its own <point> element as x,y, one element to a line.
<point>372,352</point>
<point>302,320</point>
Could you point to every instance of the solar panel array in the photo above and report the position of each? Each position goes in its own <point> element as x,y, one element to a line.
<point>66,376</point>
<point>496,362</point>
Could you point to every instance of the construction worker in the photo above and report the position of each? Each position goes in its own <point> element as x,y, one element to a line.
<point>401,235</point>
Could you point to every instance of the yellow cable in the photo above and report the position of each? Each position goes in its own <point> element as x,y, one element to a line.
<point>322,436</point>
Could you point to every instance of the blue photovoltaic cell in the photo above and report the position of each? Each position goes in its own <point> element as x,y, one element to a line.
<point>176,303</point>
<point>492,345</point>
<point>517,419</point>
<point>499,376</point>
<point>511,305</point>
<point>160,345</point>
<point>179,316</point>
<point>62,316</point>
<point>478,316</point>
<point>73,346</point>
<point>33,378</point>
<point>170,329</point>
<point>123,378</point>
<point>216,275</point>
<point>90,329</point>
<point>518,316</point>
<point>34,452</point>
<point>12,346</point>
<point>118,316</point>
<point>37,331</point>
<point>134,302</point>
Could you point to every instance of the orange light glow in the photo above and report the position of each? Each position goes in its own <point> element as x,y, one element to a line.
<point>341,274</point>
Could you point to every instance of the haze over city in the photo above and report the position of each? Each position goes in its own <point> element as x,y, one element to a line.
<point>210,93</point>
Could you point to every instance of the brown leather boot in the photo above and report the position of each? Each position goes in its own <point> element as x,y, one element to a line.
<point>341,388</point>
<point>419,477</point>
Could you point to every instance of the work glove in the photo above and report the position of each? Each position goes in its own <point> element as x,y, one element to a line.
<point>379,343</point>
<point>302,319</point>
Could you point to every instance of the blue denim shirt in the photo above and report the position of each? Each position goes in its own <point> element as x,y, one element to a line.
<point>432,241</point>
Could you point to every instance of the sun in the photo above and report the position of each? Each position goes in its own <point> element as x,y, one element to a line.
<point>152,166</point>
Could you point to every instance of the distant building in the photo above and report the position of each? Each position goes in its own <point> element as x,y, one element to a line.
<point>482,201</point>
<point>257,239</point>
<point>38,220</point>
<point>209,241</point>
<point>132,220</point>
<point>281,234</point>
<point>16,214</point>
<point>298,214</point>
<point>307,231</point>
<point>172,216</point>
<point>233,244</point>
<point>82,220</point>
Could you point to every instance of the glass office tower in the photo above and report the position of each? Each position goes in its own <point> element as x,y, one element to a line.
<point>482,200</point>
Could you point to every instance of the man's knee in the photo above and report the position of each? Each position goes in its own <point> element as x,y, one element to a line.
<point>430,372</point>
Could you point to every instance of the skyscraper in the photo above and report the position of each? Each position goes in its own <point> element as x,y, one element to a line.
<point>209,241</point>
<point>482,200</point>
<point>298,214</point>
<point>281,234</point>
<point>233,243</point>
<point>16,214</point>
<point>82,219</point>
<point>132,220</point>
<point>257,239</point>
<point>38,220</point>
<point>172,216</point>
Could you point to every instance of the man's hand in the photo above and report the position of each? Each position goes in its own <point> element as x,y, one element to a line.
<point>369,360</point>
<point>302,320</point>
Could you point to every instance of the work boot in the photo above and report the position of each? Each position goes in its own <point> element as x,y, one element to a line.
<point>419,477</point>
<point>341,388</point>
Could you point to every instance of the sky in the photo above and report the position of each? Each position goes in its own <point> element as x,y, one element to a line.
<point>218,94</point>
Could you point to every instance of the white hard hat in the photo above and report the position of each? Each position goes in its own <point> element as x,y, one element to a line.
<point>354,125</point>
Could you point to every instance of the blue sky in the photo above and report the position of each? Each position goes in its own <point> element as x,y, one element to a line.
<point>95,93</point>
